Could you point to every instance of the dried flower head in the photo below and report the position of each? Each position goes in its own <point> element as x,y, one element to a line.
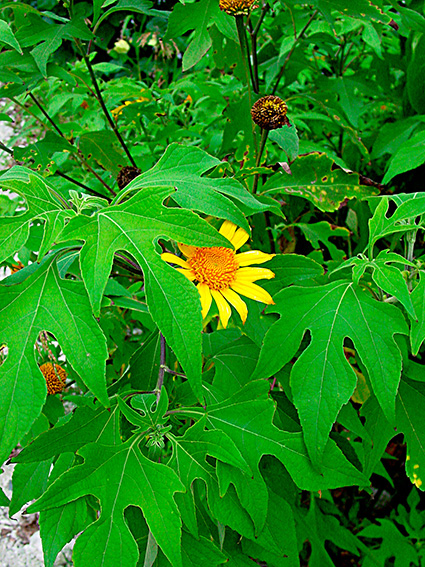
<point>55,377</point>
<point>269,112</point>
<point>236,7</point>
<point>126,175</point>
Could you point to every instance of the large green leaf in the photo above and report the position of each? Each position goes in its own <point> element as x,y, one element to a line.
<point>410,155</point>
<point>8,37</point>
<point>313,178</point>
<point>321,379</point>
<point>86,425</point>
<point>133,226</point>
<point>189,460</point>
<point>362,9</point>
<point>198,16</point>
<point>417,324</point>
<point>44,302</point>
<point>42,202</point>
<point>247,418</point>
<point>410,408</point>
<point>403,219</point>
<point>119,476</point>
<point>184,168</point>
<point>386,276</point>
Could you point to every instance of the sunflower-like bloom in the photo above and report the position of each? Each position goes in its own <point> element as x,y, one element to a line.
<point>236,7</point>
<point>222,274</point>
<point>269,112</point>
<point>55,377</point>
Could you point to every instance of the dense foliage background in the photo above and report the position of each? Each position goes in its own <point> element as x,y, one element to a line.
<point>296,438</point>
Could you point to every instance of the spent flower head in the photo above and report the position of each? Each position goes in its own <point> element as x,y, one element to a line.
<point>269,112</point>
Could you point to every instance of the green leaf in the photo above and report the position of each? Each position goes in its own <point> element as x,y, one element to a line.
<point>380,431</point>
<point>183,168</point>
<point>290,269</point>
<point>234,363</point>
<point>139,6</point>
<point>40,153</point>
<point>42,202</point>
<point>42,52</point>
<point>134,225</point>
<point>322,380</point>
<point>199,552</point>
<point>100,146</point>
<point>247,418</point>
<point>144,364</point>
<point>409,155</point>
<point>119,477</point>
<point>409,207</point>
<point>416,75</point>
<point>86,425</point>
<point>29,482</point>
<point>386,276</point>
<point>287,138</point>
<point>8,37</point>
<point>316,232</point>
<point>189,460</point>
<point>362,9</point>
<point>394,544</point>
<point>417,324</point>
<point>409,411</point>
<point>59,525</point>
<point>44,303</point>
<point>277,542</point>
<point>196,16</point>
<point>313,178</point>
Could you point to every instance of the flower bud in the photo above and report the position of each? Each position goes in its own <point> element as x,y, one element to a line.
<point>122,46</point>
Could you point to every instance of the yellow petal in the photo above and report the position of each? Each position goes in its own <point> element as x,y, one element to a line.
<point>206,299</point>
<point>187,250</point>
<point>224,309</point>
<point>253,257</point>
<point>228,229</point>
<point>237,303</point>
<point>253,291</point>
<point>239,239</point>
<point>253,274</point>
<point>173,259</point>
<point>190,275</point>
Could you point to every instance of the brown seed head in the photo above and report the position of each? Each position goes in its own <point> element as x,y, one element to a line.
<point>126,175</point>
<point>269,112</point>
<point>55,377</point>
<point>236,7</point>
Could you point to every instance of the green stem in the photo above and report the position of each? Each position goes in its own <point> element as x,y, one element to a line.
<point>244,50</point>
<point>264,134</point>
<point>46,115</point>
<point>103,106</point>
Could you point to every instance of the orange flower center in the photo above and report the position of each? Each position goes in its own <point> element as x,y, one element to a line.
<point>215,267</point>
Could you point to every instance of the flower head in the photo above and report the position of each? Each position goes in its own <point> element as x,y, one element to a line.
<point>236,7</point>
<point>221,274</point>
<point>269,112</point>
<point>121,46</point>
<point>55,377</point>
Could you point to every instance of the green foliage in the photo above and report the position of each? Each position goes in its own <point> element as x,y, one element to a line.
<point>198,427</point>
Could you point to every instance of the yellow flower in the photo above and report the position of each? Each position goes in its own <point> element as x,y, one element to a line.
<point>222,274</point>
